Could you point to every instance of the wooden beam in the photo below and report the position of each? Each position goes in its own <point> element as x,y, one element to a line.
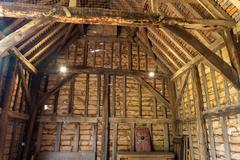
<point>8,90</point>
<point>214,9</point>
<point>227,71</point>
<point>162,51</point>
<point>105,121</point>
<point>201,128</point>
<point>33,116</point>
<point>167,45</point>
<point>149,51</point>
<point>21,58</point>
<point>21,34</point>
<point>17,115</point>
<point>181,91</point>
<point>100,70</point>
<point>155,5</point>
<point>25,86</point>
<point>232,48</point>
<point>153,91</point>
<point>103,16</point>
<point>187,66</point>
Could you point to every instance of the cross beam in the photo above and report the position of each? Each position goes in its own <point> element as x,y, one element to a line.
<point>107,17</point>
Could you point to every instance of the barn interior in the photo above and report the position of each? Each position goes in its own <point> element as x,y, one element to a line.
<point>119,79</point>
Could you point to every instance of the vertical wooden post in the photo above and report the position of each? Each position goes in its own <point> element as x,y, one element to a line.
<point>201,128</point>
<point>115,139</point>
<point>209,121</point>
<point>85,52</point>
<point>132,140</point>
<point>165,128</point>
<point>71,96</point>
<point>172,98</point>
<point>124,88</point>
<point>130,56</point>
<point>76,138</point>
<point>105,117</point>
<point>98,94</point>
<point>222,118</point>
<point>8,88</point>
<point>58,137</point>
<point>113,95</point>
<point>86,96</point>
<point>140,100</point>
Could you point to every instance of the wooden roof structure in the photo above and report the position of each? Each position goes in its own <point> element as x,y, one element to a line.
<point>176,34</point>
<point>32,30</point>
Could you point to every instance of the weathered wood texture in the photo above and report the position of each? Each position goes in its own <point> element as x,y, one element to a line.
<point>120,125</point>
<point>220,111</point>
<point>107,17</point>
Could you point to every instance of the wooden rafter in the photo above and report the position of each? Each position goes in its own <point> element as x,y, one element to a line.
<point>35,36</point>
<point>214,9</point>
<point>218,63</point>
<point>187,66</point>
<point>46,47</point>
<point>21,34</point>
<point>167,45</point>
<point>31,68</point>
<point>153,91</point>
<point>100,16</point>
<point>166,54</point>
<point>44,39</point>
<point>200,35</point>
<point>176,43</point>
<point>149,51</point>
<point>233,51</point>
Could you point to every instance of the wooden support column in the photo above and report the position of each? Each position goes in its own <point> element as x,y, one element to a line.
<point>222,118</point>
<point>209,121</point>
<point>8,89</point>
<point>232,50</point>
<point>105,118</point>
<point>172,98</point>
<point>201,128</point>
<point>165,128</point>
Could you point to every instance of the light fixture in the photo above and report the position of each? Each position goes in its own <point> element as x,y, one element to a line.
<point>151,74</point>
<point>63,69</point>
<point>96,50</point>
<point>45,107</point>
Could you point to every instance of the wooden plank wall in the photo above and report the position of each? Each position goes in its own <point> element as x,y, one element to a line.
<point>16,112</point>
<point>74,115</point>
<point>221,113</point>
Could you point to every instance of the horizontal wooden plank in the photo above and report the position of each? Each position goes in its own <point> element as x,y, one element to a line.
<point>17,115</point>
<point>67,119</point>
<point>99,70</point>
<point>226,110</point>
<point>106,16</point>
<point>79,119</point>
<point>164,155</point>
<point>140,120</point>
<point>86,155</point>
